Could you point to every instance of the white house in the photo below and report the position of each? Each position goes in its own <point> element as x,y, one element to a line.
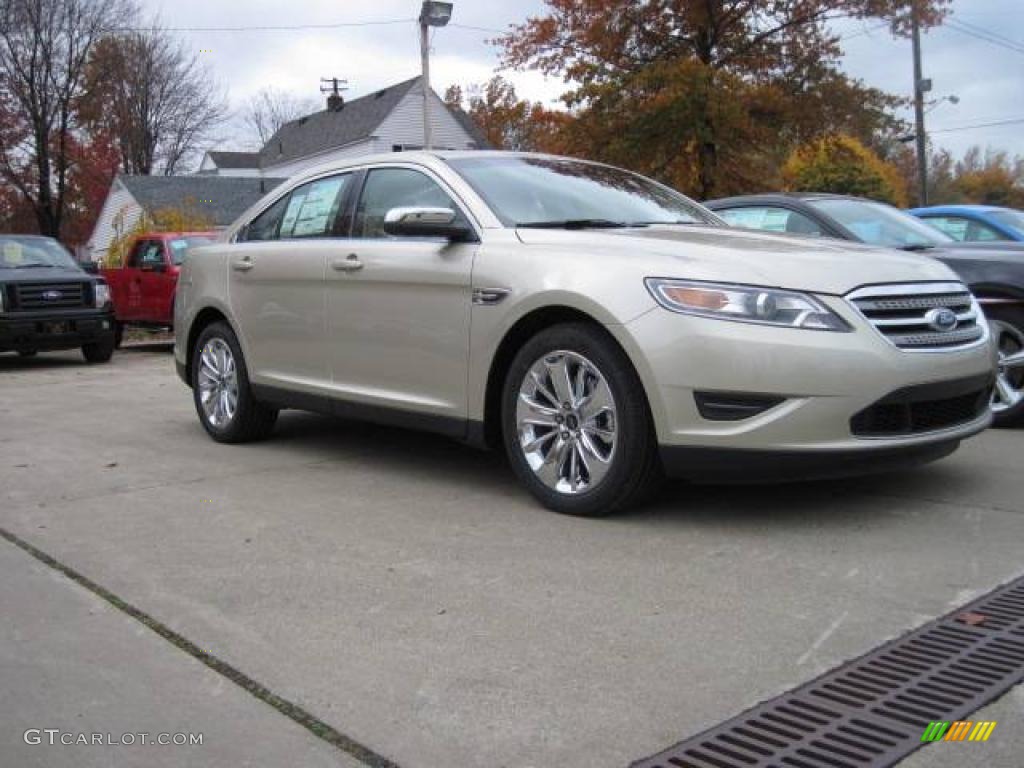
<point>388,120</point>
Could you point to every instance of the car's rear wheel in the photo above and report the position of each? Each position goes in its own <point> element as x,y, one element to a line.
<point>576,424</point>
<point>1008,399</point>
<point>118,334</point>
<point>221,391</point>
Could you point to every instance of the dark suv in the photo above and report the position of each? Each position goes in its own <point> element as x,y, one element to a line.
<point>48,302</point>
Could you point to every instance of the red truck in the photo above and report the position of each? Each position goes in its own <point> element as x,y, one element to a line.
<point>142,290</point>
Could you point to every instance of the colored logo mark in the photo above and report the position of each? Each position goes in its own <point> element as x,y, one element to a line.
<point>960,730</point>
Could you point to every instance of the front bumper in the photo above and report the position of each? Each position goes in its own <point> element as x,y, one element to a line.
<point>822,380</point>
<point>52,331</point>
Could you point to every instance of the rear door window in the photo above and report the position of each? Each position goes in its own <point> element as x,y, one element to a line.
<point>769,218</point>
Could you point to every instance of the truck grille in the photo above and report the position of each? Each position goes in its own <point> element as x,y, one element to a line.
<point>921,316</point>
<point>36,296</point>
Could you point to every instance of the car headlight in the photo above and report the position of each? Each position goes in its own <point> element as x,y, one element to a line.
<point>102,292</point>
<point>745,304</point>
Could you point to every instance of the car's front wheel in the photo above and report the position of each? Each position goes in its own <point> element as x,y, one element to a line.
<point>98,351</point>
<point>576,425</point>
<point>220,388</point>
<point>1008,400</point>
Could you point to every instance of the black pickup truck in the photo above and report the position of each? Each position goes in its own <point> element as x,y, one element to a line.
<point>49,303</point>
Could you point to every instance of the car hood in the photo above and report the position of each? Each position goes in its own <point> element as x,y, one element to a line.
<point>743,256</point>
<point>1009,251</point>
<point>44,275</point>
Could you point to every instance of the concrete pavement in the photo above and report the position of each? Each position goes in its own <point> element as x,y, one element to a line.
<point>405,591</point>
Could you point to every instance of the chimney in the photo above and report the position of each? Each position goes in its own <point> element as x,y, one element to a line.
<point>335,102</point>
<point>332,86</point>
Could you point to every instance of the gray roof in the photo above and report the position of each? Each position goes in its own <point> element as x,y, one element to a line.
<point>235,159</point>
<point>470,126</point>
<point>222,198</point>
<point>325,130</point>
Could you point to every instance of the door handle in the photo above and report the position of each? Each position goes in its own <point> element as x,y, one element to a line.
<point>243,265</point>
<point>349,264</point>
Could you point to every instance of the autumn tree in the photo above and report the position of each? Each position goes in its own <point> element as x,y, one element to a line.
<point>990,178</point>
<point>843,165</point>
<point>152,94</point>
<point>706,94</point>
<point>269,109</point>
<point>507,121</point>
<point>44,49</point>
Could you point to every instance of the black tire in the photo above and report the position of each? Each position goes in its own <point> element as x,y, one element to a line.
<point>99,351</point>
<point>635,470</point>
<point>118,334</point>
<point>28,352</point>
<point>1010,343</point>
<point>252,420</point>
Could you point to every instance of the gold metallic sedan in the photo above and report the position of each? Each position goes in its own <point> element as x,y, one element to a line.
<point>600,327</point>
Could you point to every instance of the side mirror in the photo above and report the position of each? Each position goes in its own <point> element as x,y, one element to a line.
<point>425,222</point>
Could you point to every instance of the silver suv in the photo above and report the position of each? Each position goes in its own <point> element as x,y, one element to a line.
<point>599,326</point>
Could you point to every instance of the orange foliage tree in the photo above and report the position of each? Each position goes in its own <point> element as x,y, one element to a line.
<point>708,95</point>
<point>843,165</point>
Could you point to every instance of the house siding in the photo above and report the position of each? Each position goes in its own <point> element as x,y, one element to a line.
<point>108,227</point>
<point>404,126</point>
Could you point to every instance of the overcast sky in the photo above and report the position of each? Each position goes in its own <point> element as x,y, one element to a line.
<point>987,78</point>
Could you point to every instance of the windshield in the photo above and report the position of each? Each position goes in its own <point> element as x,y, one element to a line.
<point>549,191</point>
<point>180,246</point>
<point>1012,219</point>
<point>880,224</point>
<point>28,252</point>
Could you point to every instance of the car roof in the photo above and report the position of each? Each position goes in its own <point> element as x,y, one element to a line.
<point>778,197</point>
<point>960,209</point>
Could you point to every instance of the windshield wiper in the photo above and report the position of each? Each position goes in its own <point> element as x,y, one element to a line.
<point>34,266</point>
<point>577,224</point>
<point>917,247</point>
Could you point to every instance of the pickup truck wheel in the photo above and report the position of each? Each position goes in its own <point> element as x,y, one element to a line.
<point>98,352</point>
<point>28,353</point>
<point>118,334</point>
<point>220,388</point>
<point>576,426</point>
<point>1008,400</point>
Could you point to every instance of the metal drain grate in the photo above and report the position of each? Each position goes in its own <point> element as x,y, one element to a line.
<point>872,711</point>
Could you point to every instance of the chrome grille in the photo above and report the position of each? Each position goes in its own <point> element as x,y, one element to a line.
<point>33,296</point>
<point>901,312</point>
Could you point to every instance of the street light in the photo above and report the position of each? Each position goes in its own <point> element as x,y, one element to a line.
<point>432,14</point>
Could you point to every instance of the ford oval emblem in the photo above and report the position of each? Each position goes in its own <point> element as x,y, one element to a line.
<point>52,295</point>
<point>941,319</point>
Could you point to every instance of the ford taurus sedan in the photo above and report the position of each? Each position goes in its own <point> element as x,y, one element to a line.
<point>994,272</point>
<point>600,327</point>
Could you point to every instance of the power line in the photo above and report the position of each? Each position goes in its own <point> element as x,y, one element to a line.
<point>271,28</point>
<point>987,37</point>
<point>1015,121</point>
<point>989,33</point>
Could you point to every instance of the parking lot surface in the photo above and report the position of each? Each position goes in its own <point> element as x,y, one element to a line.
<point>404,591</point>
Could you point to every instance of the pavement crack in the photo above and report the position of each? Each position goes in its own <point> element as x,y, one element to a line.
<point>289,709</point>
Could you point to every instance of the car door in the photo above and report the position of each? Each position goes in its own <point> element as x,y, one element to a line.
<point>276,272</point>
<point>152,276</point>
<point>131,279</point>
<point>398,308</point>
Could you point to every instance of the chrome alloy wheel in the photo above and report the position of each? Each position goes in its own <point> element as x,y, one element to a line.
<point>1009,390</point>
<point>218,383</point>
<point>567,422</point>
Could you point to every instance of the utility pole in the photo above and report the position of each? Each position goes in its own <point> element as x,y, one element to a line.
<point>432,14</point>
<point>921,86</point>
